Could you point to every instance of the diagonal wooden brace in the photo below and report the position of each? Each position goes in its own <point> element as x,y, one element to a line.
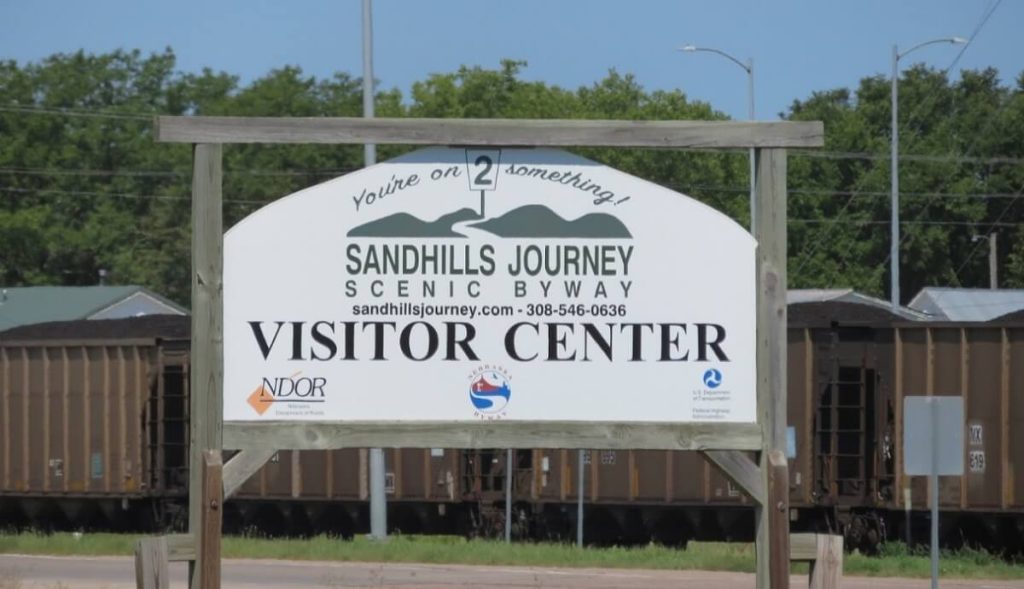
<point>243,465</point>
<point>741,469</point>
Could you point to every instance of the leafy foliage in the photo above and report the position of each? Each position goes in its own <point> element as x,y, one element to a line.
<point>84,187</point>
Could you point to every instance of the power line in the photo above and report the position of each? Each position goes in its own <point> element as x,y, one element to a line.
<point>162,173</point>
<point>170,197</point>
<point>977,29</point>
<point>844,255</point>
<point>733,190</point>
<point>817,242</point>
<point>974,250</point>
<point>910,157</point>
<point>339,171</point>
<point>41,110</point>
<point>915,222</point>
<point>120,195</point>
<point>828,192</point>
<point>84,172</point>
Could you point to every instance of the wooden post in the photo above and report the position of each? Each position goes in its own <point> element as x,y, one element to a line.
<point>827,568</point>
<point>151,564</point>
<point>211,517</point>
<point>206,409</point>
<point>772,546</point>
<point>778,503</point>
<point>825,555</point>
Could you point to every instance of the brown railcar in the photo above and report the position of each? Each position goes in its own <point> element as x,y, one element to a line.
<point>92,425</point>
<point>94,422</point>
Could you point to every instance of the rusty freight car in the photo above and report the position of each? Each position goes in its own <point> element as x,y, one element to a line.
<point>94,422</point>
<point>850,367</point>
<point>95,416</point>
<point>326,491</point>
<point>851,363</point>
<point>94,434</point>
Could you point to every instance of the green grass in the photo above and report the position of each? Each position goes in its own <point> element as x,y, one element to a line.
<point>895,561</point>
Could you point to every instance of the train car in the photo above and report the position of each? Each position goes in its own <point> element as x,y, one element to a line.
<point>850,368</point>
<point>93,422</point>
<point>94,433</point>
<point>851,362</point>
<point>327,491</point>
<point>95,417</point>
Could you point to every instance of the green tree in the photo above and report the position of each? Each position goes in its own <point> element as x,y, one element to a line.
<point>954,131</point>
<point>84,187</point>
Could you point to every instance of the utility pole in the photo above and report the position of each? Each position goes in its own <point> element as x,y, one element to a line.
<point>378,499</point>
<point>894,187</point>
<point>993,268</point>
<point>993,258</point>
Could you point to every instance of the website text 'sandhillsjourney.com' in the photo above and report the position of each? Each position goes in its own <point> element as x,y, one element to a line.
<point>432,310</point>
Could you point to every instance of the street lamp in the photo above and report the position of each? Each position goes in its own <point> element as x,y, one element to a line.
<point>749,68</point>
<point>894,247</point>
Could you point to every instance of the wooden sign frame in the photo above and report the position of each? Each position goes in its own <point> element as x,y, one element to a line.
<point>765,481</point>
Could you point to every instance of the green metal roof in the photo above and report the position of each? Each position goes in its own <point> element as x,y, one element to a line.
<point>39,304</point>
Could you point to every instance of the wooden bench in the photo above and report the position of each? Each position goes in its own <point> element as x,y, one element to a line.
<point>825,555</point>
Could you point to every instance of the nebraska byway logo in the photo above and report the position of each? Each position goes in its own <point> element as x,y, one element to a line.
<point>489,392</point>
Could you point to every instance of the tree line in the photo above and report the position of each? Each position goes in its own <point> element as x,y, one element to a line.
<point>84,188</point>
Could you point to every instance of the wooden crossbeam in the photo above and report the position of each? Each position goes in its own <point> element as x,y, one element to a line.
<point>279,435</point>
<point>492,132</point>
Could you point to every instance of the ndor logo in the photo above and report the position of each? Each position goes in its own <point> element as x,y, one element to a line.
<point>712,378</point>
<point>489,391</point>
<point>287,389</point>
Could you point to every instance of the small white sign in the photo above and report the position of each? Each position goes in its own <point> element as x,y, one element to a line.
<point>933,435</point>
<point>482,167</point>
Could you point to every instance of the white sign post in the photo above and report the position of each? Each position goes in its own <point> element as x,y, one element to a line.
<point>575,293</point>
<point>933,445</point>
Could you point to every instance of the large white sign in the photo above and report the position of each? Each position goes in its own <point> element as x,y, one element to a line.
<point>476,284</point>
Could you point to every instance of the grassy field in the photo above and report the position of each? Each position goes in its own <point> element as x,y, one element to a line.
<point>895,561</point>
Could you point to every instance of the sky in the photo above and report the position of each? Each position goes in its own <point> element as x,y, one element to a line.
<point>798,46</point>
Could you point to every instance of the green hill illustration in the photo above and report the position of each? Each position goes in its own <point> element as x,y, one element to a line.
<point>540,221</point>
<point>406,225</point>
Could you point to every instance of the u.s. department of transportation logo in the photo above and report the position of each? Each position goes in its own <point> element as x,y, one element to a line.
<point>711,402</point>
<point>489,392</point>
<point>712,378</point>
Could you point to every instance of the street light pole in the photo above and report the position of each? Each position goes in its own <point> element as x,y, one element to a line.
<point>894,173</point>
<point>894,190</point>
<point>750,115</point>
<point>749,68</point>
<point>378,493</point>
<point>369,149</point>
